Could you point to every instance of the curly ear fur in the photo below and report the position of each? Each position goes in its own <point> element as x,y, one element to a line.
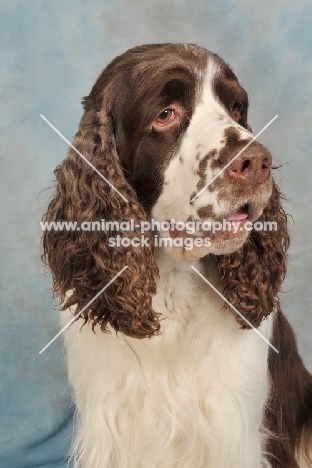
<point>83,261</point>
<point>252,276</point>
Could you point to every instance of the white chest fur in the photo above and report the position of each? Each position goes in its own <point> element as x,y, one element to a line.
<point>191,397</point>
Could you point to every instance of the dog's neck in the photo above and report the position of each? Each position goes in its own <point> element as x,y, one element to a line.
<point>180,289</point>
<point>168,265</point>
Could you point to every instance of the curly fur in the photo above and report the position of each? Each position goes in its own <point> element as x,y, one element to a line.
<point>263,258</point>
<point>84,263</point>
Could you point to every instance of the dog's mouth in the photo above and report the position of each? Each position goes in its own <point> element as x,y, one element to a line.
<point>218,235</point>
<point>238,218</point>
<point>241,214</point>
<point>236,224</point>
<point>196,239</point>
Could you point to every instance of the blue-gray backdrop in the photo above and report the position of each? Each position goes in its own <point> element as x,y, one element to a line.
<point>51,54</point>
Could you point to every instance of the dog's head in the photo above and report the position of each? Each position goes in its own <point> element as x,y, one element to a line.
<point>166,125</point>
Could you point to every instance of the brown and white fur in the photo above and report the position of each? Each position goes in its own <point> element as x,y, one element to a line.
<point>163,374</point>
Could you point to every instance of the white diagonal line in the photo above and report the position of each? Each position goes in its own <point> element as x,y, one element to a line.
<point>233,159</point>
<point>84,158</point>
<point>235,310</point>
<point>83,309</point>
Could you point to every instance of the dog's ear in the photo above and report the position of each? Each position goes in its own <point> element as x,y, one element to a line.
<point>252,276</point>
<point>85,261</point>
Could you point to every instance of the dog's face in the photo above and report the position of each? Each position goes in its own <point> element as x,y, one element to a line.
<point>180,118</point>
<point>160,124</point>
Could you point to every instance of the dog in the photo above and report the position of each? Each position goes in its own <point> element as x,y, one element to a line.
<point>184,358</point>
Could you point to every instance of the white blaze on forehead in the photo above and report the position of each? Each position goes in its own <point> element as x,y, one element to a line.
<point>204,134</point>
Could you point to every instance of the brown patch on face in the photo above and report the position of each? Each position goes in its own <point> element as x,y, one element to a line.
<point>152,79</point>
<point>232,142</point>
<point>232,137</point>
<point>202,169</point>
<point>230,94</point>
<point>217,164</point>
<point>206,212</point>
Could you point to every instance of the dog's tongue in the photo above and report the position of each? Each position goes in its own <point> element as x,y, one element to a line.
<point>237,216</point>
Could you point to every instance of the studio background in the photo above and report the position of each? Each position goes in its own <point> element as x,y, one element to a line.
<point>52,52</point>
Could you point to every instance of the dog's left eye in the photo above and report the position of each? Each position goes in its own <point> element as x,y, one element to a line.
<point>165,117</point>
<point>236,110</point>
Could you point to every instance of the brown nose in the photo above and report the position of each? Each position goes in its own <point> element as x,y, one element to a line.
<point>252,167</point>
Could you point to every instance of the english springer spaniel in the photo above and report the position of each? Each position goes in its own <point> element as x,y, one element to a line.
<point>164,372</point>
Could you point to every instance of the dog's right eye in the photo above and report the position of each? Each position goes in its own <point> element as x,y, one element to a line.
<point>165,117</point>
<point>169,117</point>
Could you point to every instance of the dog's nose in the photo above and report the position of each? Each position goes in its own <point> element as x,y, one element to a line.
<point>252,167</point>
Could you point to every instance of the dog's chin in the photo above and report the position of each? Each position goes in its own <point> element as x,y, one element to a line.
<point>223,247</point>
<point>222,243</point>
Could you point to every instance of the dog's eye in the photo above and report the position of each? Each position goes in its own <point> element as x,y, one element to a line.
<point>166,116</point>
<point>236,110</point>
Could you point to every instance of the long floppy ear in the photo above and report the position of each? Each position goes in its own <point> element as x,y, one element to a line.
<point>252,276</point>
<point>83,261</point>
